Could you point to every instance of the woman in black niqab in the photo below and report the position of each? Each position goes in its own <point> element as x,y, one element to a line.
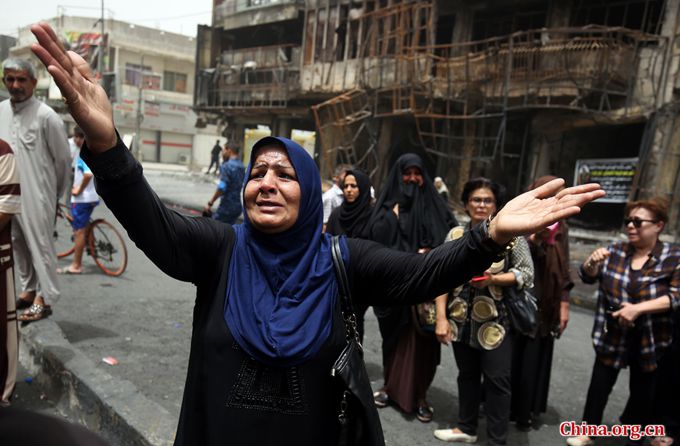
<point>419,223</point>
<point>423,220</point>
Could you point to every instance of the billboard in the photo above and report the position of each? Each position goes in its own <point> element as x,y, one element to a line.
<point>614,175</point>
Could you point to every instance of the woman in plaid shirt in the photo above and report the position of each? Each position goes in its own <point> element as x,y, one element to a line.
<point>639,286</point>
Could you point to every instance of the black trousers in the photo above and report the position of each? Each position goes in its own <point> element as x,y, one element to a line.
<point>642,386</point>
<point>495,365</point>
<point>668,390</point>
<point>216,163</point>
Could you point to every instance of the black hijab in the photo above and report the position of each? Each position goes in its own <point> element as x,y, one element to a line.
<point>352,219</point>
<point>424,220</point>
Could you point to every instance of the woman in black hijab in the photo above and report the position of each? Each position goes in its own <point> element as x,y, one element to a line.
<point>353,216</point>
<point>352,219</point>
<point>409,216</point>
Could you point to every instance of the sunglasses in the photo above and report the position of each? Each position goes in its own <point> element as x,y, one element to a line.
<point>637,222</point>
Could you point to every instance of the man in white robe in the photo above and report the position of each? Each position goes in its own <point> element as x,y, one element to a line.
<point>37,136</point>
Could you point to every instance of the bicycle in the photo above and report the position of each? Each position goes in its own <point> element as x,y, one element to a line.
<point>104,243</point>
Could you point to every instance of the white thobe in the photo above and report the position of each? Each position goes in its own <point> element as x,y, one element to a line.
<point>40,143</point>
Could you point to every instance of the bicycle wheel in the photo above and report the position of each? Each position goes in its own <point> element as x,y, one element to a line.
<point>107,248</point>
<point>63,232</point>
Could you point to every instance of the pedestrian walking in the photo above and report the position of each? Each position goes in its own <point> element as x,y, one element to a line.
<point>409,216</point>
<point>228,189</point>
<point>267,327</point>
<point>40,144</point>
<point>10,205</point>
<point>533,353</point>
<point>84,199</point>
<point>215,157</point>
<point>475,320</point>
<point>638,287</point>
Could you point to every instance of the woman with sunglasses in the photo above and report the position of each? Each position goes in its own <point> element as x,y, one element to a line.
<point>639,286</point>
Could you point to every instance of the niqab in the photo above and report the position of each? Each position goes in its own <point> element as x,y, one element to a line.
<point>424,219</point>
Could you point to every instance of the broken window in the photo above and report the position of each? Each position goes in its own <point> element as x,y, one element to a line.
<point>643,15</point>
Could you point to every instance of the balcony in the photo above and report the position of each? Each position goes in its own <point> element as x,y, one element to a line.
<point>232,14</point>
<point>250,78</point>
<point>590,69</point>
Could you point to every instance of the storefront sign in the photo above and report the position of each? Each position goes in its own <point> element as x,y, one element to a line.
<point>615,175</point>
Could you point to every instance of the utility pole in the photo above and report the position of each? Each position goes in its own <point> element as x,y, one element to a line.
<point>100,59</point>
<point>140,114</point>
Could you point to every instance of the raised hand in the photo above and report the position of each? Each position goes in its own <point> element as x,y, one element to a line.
<point>594,262</point>
<point>538,208</point>
<point>86,99</point>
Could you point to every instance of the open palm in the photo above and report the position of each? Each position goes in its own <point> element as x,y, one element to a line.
<point>86,99</point>
<point>541,207</point>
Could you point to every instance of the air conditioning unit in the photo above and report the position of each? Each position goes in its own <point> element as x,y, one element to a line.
<point>183,159</point>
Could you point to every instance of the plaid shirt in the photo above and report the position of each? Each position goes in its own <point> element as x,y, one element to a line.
<point>660,276</point>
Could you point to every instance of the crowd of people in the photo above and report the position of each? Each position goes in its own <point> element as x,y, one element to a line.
<point>505,371</point>
<point>267,322</point>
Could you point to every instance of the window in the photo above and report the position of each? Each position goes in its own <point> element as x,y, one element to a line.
<point>133,73</point>
<point>174,82</point>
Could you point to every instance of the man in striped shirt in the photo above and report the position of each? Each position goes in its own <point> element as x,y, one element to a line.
<point>9,339</point>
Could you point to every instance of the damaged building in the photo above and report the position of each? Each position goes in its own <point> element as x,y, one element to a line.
<point>509,89</point>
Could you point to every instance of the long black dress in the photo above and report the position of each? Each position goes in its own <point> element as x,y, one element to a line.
<point>230,398</point>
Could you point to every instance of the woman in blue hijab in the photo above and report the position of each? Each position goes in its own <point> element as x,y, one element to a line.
<point>266,324</point>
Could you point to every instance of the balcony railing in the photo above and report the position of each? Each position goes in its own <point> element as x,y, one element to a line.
<point>261,77</point>
<point>230,7</point>
<point>594,68</point>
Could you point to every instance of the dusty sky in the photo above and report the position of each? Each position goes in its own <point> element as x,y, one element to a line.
<point>175,16</point>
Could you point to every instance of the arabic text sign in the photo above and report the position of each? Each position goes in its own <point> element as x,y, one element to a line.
<point>615,175</point>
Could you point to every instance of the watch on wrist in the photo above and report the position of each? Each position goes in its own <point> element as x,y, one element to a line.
<point>500,250</point>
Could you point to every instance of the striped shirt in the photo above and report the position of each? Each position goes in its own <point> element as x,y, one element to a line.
<point>660,276</point>
<point>10,190</point>
<point>9,204</point>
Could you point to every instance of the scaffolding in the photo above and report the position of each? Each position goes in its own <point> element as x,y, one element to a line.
<point>472,87</point>
<point>346,132</point>
<point>460,95</point>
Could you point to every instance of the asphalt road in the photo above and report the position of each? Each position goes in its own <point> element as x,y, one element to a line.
<point>143,319</point>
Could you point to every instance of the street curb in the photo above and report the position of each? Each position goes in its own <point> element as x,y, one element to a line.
<point>110,406</point>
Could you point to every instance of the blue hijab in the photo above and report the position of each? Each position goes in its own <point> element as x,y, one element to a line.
<point>282,288</point>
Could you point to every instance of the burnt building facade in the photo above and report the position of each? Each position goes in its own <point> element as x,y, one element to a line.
<point>509,89</point>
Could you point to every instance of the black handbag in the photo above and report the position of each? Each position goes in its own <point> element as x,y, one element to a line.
<point>522,310</point>
<point>521,306</point>
<point>358,417</point>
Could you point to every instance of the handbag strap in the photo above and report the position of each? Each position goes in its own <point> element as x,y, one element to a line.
<point>348,316</point>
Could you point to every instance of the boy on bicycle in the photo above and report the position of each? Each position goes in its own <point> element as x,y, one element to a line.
<point>84,198</point>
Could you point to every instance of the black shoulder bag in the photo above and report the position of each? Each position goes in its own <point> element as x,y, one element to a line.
<point>358,417</point>
<point>522,308</point>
